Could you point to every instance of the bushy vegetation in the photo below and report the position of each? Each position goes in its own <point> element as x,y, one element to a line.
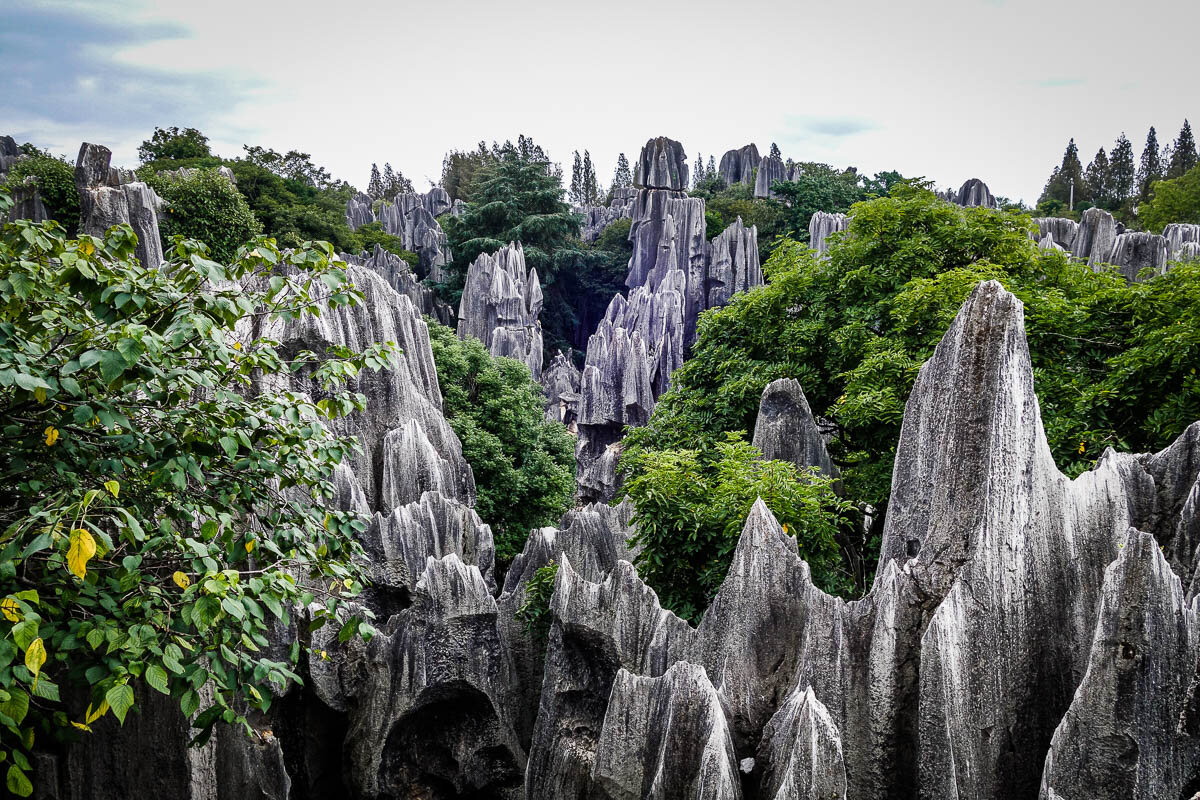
<point>205,206</point>
<point>524,466</point>
<point>55,178</point>
<point>147,502</point>
<point>1114,362</point>
<point>691,507</point>
<point>1174,200</point>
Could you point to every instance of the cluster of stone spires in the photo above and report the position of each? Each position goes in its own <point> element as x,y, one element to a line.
<point>1027,635</point>
<point>413,218</point>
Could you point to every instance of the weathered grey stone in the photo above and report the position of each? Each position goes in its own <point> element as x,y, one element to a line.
<point>1062,231</point>
<point>10,154</point>
<point>187,172</point>
<point>1190,251</point>
<point>665,737</point>
<point>1134,251</point>
<point>399,275</point>
<point>821,226</point>
<point>770,171</point>
<point>560,383</point>
<point>662,165</point>
<point>1126,733</point>
<point>1178,235</point>
<point>412,218</point>
<point>500,305</point>
<point>733,264</point>
<point>803,750</point>
<point>975,193</point>
<point>1095,238</point>
<point>738,166</point>
<point>786,431</point>
<point>597,218</point>
<point>105,201</point>
<point>27,201</point>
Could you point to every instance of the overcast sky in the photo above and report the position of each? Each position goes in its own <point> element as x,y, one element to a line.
<point>948,89</point>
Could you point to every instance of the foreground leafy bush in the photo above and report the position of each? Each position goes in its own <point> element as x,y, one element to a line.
<point>691,509</point>
<point>1114,363</point>
<point>158,516</point>
<point>524,466</point>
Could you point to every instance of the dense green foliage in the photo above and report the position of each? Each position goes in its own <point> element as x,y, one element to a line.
<point>373,234</point>
<point>535,611</point>
<point>1114,363</point>
<point>205,206</point>
<point>691,507</point>
<point>56,184</point>
<point>151,533</point>
<point>174,144</point>
<point>524,466</point>
<point>1175,200</point>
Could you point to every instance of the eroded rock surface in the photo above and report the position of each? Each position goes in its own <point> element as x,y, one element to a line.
<point>821,226</point>
<point>500,305</point>
<point>106,200</point>
<point>738,166</point>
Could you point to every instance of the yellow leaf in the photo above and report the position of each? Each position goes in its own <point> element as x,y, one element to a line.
<point>51,435</point>
<point>81,726</point>
<point>785,527</point>
<point>237,345</point>
<point>10,609</point>
<point>181,580</point>
<point>40,394</point>
<point>324,656</point>
<point>348,583</point>
<point>86,247</point>
<point>1082,447</point>
<point>325,524</point>
<point>83,547</point>
<point>114,488</point>
<point>250,546</point>
<point>35,656</point>
<point>92,716</point>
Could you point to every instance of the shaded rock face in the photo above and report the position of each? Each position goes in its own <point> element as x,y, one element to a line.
<point>1134,251</point>
<point>1178,236</point>
<point>662,165</point>
<point>951,677</point>
<point>1095,238</point>
<point>738,166</point>
<point>560,383</point>
<point>500,305</point>
<point>27,201</point>
<point>1061,231</point>
<point>770,171</point>
<point>674,276</point>
<point>106,200</point>
<point>399,275</point>
<point>412,217</point>
<point>10,154</point>
<point>597,218</point>
<point>786,431</point>
<point>821,226</point>
<point>973,192</point>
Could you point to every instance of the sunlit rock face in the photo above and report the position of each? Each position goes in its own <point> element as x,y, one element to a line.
<point>738,166</point>
<point>500,305</point>
<point>107,198</point>
<point>413,218</point>
<point>973,192</point>
<point>822,226</point>
<point>675,274</point>
<point>400,276</point>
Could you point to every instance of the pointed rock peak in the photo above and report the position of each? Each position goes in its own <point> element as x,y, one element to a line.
<point>786,431</point>
<point>762,527</point>
<point>662,165</point>
<point>450,588</point>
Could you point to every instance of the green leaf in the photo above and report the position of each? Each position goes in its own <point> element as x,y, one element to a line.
<point>120,699</point>
<point>17,783</point>
<point>16,706</point>
<point>189,703</point>
<point>156,676</point>
<point>25,632</point>
<point>112,365</point>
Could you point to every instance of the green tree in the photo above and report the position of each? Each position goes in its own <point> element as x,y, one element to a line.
<point>775,152</point>
<point>691,508</point>
<point>459,169</point>
<point>1151,167</point>
<point>208,207</point>
<point>1098,179</point>
<point>151,530</point>
<point>575,194</point>
<point>394,184</point>
<point>1175,200</point>
<point>524,466</point>
<point>173,144</point>
<point>375,184</point>
<point>1183,152</point>
<point>724,204</point>
<point>622,177</point>
<point>1122,172</point>
<point>55,179</point>
<point>589,186</point>
<point>1066,181</point>
<point>817,187</point>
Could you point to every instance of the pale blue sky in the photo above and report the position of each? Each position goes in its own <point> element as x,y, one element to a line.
<point>949,89</point>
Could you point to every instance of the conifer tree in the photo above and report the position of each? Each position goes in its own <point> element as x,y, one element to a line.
<point>1122,172</point>
<point>1066,181</point>
<point>698,171</point>
<point>622,177</point>
<point>576,190</point>
<point>1183,152</point>
<point>711,172</point>
<point>394,183</point>
<point>375,185</point>
<point>775,153</point>
<point>1151,168</point>
<point>590,186</point>
<point>1097,178</point>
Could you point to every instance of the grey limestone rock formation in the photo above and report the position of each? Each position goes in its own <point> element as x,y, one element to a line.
<point>1134,251</point>
<point>399,275</point>
<point>786,431</point>
<point>973,192</point>
<point>597,218</point>
<point>821,226</point>
<point>770,171</point>
<point>10,154</point>
<point>738,166</point>
<point>500,305</point>
<point>662,165</point>
<point>106,201</point>
<point>1060,230</point>
<point>1095,238</point>
<point>412,217</point>
<point>952,675</point>
<point>733,264</point>
<point>187,172</point>
<point>1178,236</point>
<point>27,201</point>
<point>560,383</point>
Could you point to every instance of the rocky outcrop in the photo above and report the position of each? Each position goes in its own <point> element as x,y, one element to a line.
<point>1178,236</point>
<point>500,305</point>
<point>662,165</point>
<point>27,201</point>
<point>1095,238</point>
<point>973,192</point>
<point>560,383</point>
<point>10,154</point>
<point>412,217</point>
<point>597,218</point>
<point>106,201</point>
<point>951,676</point>
<point>1134,251</point>
<point>738,166</point>
<point>733,264</point>
<point>821,226</point>
<point>1061,231</point>
<point>802,751</point>
<point>400,276</point>
<point>786,431</point>
<point>770,171</point>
